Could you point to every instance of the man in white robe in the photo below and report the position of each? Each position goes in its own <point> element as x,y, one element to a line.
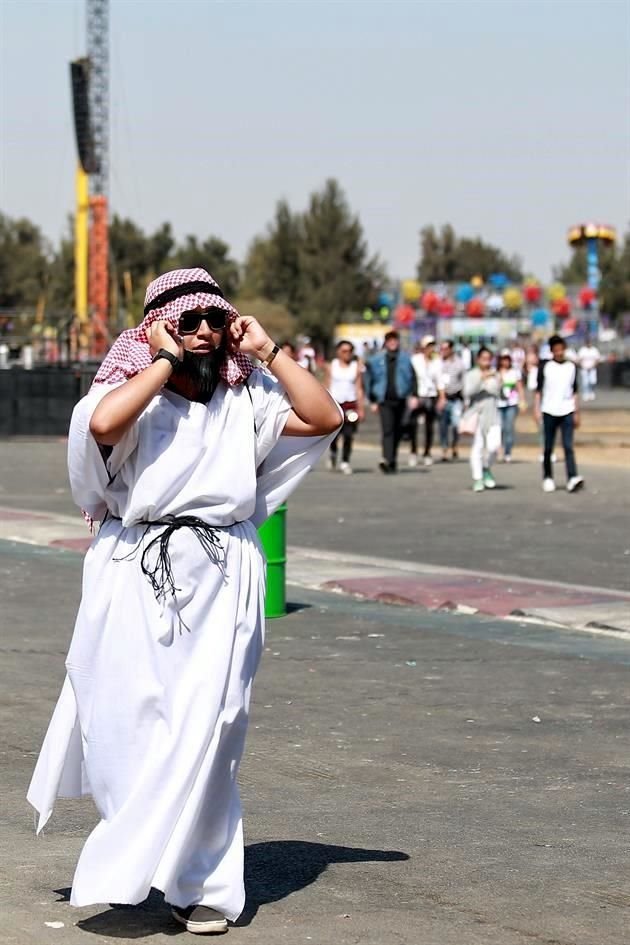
<point>180,449</point>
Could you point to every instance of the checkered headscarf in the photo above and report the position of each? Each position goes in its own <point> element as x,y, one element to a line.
<point>167,297</point>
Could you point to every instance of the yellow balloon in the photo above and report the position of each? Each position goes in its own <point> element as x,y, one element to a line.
<point>556,291</point>
<point>476,282</point>
<point>411,290</point>
<point>513,298</point>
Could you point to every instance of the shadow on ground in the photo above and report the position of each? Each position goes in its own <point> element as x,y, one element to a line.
<point>273,870</point>
<point>276,868</point>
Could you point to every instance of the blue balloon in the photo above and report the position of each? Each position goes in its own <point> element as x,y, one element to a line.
<point>386,299</point>
<point>499,280</point>
<point>540,317</point>
<point>464,293</point>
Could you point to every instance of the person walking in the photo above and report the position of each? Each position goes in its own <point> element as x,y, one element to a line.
<point>557,407</point>
<point>511,397</point>
<point>450,399</point>
<point>180,449</point>
<point>426,365</point>
<point>465,353</point>
<point>588,358</point>
<point>344,382</point>
<point>391,387</point>
<point>481,393</point>
<point>532,360</point>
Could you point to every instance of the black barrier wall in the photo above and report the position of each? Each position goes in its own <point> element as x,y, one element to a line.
<point>39,402</point>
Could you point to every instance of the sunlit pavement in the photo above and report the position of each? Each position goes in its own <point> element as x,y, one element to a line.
<point>413,775</point>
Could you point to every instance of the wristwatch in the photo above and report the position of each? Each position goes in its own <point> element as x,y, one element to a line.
<point>168,356</point>
<point>267,361</point>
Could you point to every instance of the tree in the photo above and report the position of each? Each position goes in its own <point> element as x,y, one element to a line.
<point>60,291</point>
<point>336,275</point>
<point>272,264</point>
<point>213,256</point>
<point>444,257</point>
<point>24,261</point>
<point>275,317</point>
<point>315,263</point>
<point>160,246</point>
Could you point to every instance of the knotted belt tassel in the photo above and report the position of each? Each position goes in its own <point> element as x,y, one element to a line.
<point>161,573</point>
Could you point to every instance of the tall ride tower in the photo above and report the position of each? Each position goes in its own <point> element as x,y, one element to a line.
<point>90,92</point>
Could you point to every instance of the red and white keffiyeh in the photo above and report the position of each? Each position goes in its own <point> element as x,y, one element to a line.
<point>131,353</point>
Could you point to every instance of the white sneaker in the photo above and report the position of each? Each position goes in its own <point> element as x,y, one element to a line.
<point>427,461</point>
<point>508,459</point>
<point>346,469</point>
<point>575,483</point>
<point>413,460</point>
<point>549,485</point>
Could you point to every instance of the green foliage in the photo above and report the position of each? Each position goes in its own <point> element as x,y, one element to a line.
<point>24,263</point>
<point>211,255</point>
<point>445,257</point>
<point>316,262</point>
<point>274,316</point>
<point>272,265</point>
<point>60,278</point>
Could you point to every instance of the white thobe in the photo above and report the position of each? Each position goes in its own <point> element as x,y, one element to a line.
<point>152,716</point>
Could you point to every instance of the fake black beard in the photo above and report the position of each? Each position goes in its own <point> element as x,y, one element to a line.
<point>202,370</point>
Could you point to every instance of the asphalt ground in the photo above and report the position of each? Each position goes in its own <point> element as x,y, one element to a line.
<point>423,515</point>
<point>415,778</point>
<point>411,777</point>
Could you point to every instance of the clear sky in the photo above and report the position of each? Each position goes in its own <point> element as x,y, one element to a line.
<point>509,119</point>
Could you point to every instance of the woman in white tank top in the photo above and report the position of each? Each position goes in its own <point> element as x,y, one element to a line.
<point>344,381</point>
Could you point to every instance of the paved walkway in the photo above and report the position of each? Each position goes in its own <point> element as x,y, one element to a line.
<point>410,777</point>
<point>388,580</point>
<point>439,772</point>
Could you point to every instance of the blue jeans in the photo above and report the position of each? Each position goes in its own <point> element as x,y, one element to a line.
<point>508,419</point>
<point>449,419</point>
<point>550,426</point>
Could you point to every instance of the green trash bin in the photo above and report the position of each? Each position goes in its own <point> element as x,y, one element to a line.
<point>273,535</point>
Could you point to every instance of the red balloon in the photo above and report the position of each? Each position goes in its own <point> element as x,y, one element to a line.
<point>446,308</point>
<point>561,308</point>
<point>587,296</point>
<point>532,293</point>
<point>430,302</point>
<point>475,308</point>
<point>405,315</point>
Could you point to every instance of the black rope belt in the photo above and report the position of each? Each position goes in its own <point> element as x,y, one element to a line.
<point>161,573</point>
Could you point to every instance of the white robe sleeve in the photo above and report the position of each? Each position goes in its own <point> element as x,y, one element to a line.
<point>90,468</point>
<point>282,461</point>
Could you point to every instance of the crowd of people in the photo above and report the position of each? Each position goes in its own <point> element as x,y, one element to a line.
<point>460,394</point>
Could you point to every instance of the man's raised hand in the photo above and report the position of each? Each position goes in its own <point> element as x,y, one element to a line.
<point>248,335</point>
<point>164,335</point>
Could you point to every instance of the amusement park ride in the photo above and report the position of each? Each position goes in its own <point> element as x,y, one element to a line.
<point>593,236</point>
<point>90,97</point>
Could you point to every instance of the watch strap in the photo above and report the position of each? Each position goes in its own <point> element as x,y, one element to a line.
<point>168,356</point>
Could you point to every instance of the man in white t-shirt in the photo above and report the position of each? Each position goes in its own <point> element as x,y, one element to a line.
<point>588,358</point>
<point>557,408</point>
<point>428,370</point>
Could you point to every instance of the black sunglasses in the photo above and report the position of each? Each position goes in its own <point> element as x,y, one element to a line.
<point>189,322</point>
